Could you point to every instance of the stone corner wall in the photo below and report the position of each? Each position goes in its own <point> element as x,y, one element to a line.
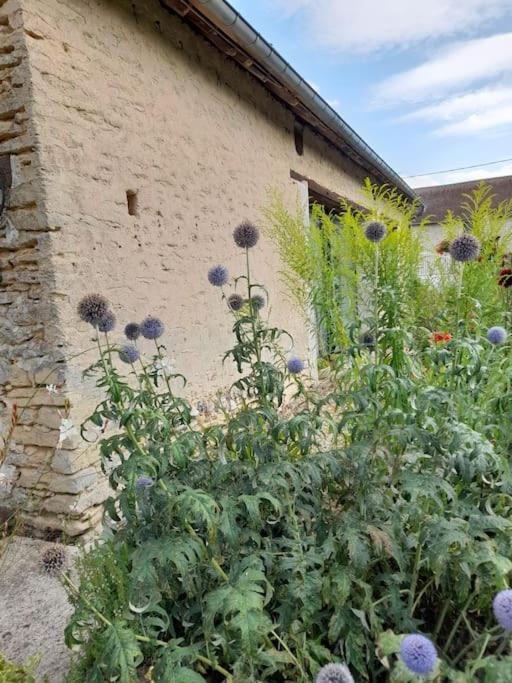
<point>41,473</point>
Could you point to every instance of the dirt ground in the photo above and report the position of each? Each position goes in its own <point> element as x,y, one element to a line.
<point>33,608</point>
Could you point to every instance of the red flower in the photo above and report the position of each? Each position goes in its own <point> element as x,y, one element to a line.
<point>440,337</point>
<point>505,277</point>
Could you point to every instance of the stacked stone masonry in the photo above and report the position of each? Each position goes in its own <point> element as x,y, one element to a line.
<point>42,480</point>
<point>103,100</point>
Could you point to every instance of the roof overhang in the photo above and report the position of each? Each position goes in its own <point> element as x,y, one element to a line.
<point>232,35</point>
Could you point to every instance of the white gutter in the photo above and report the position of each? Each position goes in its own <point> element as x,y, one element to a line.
<point>232,23</point>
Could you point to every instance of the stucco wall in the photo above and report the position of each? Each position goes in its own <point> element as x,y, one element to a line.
<point>125,97</point>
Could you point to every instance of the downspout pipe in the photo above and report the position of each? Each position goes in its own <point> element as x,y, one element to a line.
<point>232,23</point>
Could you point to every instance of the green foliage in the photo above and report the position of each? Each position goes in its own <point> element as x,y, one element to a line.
<point>331,267</point>
<point>280,540</point>
<point>16,673</point>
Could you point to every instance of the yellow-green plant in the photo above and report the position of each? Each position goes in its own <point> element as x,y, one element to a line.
<point>482,300</point>
<point>329,265</point>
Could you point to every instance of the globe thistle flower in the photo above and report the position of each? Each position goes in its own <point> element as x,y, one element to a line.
<point>54,560</point>
<point>246,235</point>
<point>218,276</point>
<point>235,302</point>
<point>143,483</point>
<point>502,608</point>
<point>464,248</point>
<point>497,335</point>
<point>129,353</point>
<point>257,302</point>
<point>107,322</point>
<point>334,673</point>
<point>375,231</point>
<point>505,277</point>
<point>443,247</point>
<point>295,365</point>
<point>418,653</point>
<point>132,331</point>
<point>367,339</point>
<point>152,328</point>
<point>92,308</point>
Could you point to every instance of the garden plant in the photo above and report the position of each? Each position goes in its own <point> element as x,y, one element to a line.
<point>358,533</point>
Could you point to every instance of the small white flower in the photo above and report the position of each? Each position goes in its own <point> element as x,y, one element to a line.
<point>166,365</point>
<point>67,429</point>
<point>52,389</point>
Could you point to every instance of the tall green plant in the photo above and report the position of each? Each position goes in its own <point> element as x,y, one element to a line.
<point>370,524</point>
<point>334,264</point>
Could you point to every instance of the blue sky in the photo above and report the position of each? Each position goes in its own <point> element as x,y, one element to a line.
<point>427,83</point>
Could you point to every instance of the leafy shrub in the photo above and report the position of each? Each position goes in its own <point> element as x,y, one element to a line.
<point>267,546</point>
<point>16,673</point>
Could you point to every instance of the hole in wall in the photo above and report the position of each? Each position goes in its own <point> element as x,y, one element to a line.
<point>298,136</point>
<point>132,202</point>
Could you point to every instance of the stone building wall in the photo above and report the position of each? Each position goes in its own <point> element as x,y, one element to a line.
<point>125,98</point>
<point>35,474</point>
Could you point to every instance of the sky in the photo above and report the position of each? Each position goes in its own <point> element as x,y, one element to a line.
<point>427,83</point>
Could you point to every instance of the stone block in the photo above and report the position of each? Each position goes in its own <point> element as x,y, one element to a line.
<point>76,505</point>
<point>39,458</point>
<point>49,375</point>
<point>30,478</point>
<point>28,219</point>
<point>35,436</point>
<point>69,462</point>
<point>37,397</point>
<point>72,483</point>
<point>49,417</point>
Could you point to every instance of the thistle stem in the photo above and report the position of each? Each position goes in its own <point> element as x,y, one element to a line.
<point>141,639</point>
<point>415,572</point>
<point>251,308</point>
<point>457,333</point>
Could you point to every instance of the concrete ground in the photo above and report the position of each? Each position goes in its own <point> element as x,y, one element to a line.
<point>33,608</point>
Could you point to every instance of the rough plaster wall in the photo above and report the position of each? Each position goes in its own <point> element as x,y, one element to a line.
<point>130,99</point>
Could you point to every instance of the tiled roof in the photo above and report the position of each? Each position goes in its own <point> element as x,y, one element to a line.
<point>439,199</point>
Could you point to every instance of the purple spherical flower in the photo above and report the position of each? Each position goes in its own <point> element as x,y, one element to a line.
<point>107,322</point>
<point>257,302</point>
<point>92,308</point>
<point>218,276</point>
<point>464,248</point>
<point>375,231</point>
<point>334,673</point>
<point>132,331</point>
<point>246,235</point>
<point>418,653</point>
<point>129,353</point>
<point>235,302</point>
<point>497,335</point>
<point>367,339</point>
<point>144,483</point>
<point>54,560</point>
<point>152,328</point>
<point>502,607</point>
<point>295,365</point>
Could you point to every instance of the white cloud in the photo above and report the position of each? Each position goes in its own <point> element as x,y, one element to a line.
<point>457,66</point>
<point>495,118</point>
<point>369,25</point>
<point>479,110</point>
<point>462,175</point>
<point>452,108</point>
